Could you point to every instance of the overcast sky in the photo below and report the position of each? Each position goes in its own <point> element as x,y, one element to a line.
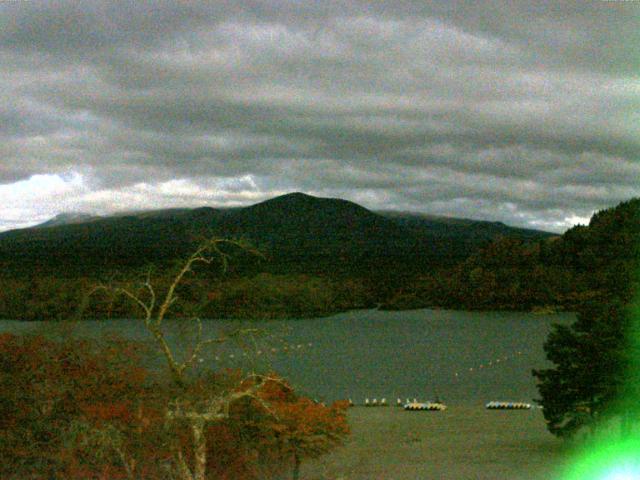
<point>523,112</point>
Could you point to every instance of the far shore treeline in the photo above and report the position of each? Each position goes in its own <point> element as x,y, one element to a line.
<point>319,256</point>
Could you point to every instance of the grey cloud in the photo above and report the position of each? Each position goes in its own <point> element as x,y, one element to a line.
<point>522,111</point>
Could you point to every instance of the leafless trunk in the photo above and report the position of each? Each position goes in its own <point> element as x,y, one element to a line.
<point>199,450</point>
<point>217,409</point>
<point>183,470</point>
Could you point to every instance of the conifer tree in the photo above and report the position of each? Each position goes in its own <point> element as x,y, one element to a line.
<point>591,357</point>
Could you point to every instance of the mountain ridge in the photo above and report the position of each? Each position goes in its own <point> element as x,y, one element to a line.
<point>297,232</point>
<point>69,217</point>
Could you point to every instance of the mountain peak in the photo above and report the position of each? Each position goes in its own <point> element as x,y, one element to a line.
<point>307,207</point>
<point>294,197</point>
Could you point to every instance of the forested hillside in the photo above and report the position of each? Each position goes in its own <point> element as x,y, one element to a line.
<point>318,256</point>
<point>586,262</point>
<point>321,256</point>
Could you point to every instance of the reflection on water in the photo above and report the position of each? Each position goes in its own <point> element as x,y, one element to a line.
<point>461,357</point>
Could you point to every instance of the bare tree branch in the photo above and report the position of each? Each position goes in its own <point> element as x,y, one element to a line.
<point>147,308</point>
<point>218,407</point>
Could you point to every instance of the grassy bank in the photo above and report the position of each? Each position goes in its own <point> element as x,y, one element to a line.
<point>458,444</point>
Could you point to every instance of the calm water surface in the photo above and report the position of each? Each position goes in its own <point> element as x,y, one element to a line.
<point>462,357</point>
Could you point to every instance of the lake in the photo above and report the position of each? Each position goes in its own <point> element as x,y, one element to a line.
<point>464,358</point>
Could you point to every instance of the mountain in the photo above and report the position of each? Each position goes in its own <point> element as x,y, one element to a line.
<point>297,232</point>
<point>68,218</point>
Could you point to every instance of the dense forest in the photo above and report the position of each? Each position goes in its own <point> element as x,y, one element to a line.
<point>360,260</point>
<point>588,262</point>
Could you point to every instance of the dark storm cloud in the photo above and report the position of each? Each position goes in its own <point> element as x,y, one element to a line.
<point>514,111</point>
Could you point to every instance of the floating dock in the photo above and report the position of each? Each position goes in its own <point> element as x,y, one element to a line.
<point>494,405</point>
<point>431,406</point>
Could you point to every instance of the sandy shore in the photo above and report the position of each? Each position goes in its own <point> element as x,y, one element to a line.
<point>458,444</point>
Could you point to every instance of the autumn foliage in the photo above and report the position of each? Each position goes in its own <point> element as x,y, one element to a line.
<point>76,409</point>
<point>280,430</point>
<point>58,399</point>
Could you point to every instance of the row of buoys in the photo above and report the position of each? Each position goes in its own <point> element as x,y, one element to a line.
<point>507,406</point>
<point>414,405</point>
<point>490,363</point>
<point>382,402</point>
<point>265,351</point>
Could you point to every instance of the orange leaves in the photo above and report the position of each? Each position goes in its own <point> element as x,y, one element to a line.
<point>49,387</point>
<point>312,428</point>
<point>93,413</point>
<point>276,390</point>
<point>5,339</point>
<point>268,428</point>
<point>298,424</point>
<point>101,412</point>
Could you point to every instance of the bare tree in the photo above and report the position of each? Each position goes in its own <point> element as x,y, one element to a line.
<point>216,405</point>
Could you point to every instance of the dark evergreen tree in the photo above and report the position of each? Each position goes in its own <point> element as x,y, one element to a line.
<point>592,358</point>
<point>596,358</point>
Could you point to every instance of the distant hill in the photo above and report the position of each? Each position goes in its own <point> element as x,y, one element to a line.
<point>595,261</point>
<point>297,232</point>
<point>461,228</point>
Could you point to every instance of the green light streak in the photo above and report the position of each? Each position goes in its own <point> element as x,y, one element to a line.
<point>614,459</point>
<point>614,452</point>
